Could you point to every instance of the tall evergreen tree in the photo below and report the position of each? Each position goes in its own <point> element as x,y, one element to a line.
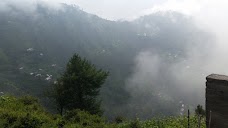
<point>79,86</point>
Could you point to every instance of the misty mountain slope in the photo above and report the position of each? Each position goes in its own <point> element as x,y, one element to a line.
<point>34,48</point>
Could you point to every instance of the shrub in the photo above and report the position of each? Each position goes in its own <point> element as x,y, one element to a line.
<point>84,119</point>
<point>135,124</point>
<point>119,119</point>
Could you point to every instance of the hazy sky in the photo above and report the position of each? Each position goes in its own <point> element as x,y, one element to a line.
<point>128,9</point>
<point>117,9</point>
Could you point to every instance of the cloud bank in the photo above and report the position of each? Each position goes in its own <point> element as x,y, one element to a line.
<point>186,76</point>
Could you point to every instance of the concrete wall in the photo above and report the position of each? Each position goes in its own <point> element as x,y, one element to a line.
<point>217,101</point>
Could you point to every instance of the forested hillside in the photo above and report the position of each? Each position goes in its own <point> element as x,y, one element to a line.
<point>35,47</point>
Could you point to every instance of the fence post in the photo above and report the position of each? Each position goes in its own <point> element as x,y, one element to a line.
<point>188,119</point>
<point>210,120</point>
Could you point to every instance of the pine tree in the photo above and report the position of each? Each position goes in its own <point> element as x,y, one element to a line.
<point>79,86</point>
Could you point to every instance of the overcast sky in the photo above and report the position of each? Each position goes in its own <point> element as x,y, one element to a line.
<point>130,9</point>
<point>116,9</point>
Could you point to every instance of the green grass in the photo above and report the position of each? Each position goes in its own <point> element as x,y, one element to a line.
<point>165,122</point>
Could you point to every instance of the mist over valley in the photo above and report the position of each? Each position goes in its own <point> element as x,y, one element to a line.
<point>157,63</point>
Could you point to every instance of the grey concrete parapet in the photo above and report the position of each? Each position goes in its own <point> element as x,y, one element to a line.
<point>217,101</point>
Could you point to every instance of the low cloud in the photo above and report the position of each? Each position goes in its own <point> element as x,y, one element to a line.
<point>187,75</point>
<point>28,6</point>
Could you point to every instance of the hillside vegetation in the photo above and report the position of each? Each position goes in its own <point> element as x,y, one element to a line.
<point>26,112</point>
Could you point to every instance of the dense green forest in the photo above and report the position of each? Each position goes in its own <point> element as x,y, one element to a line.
<point>35,48</point>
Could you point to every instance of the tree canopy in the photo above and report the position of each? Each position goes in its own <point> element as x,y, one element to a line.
<point>79,86</point>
